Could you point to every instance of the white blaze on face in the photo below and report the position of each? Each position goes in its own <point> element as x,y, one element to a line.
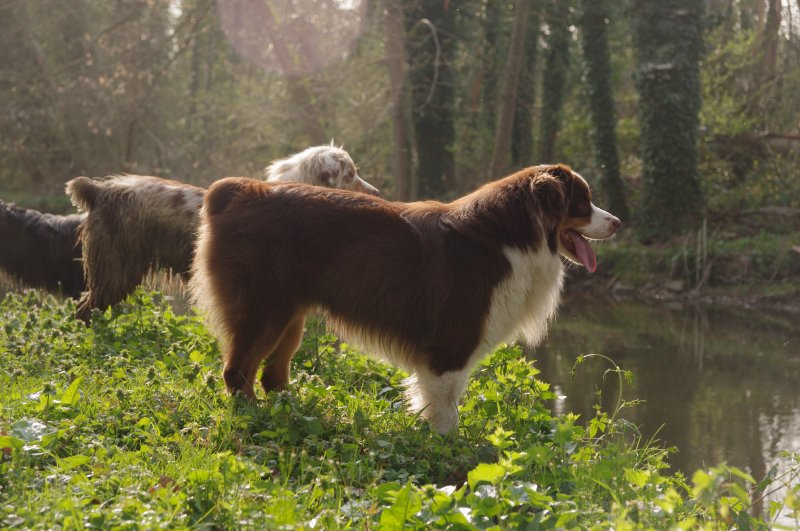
<point>574,244</point>
<point>360,185</point>
<point>602,225</point>
<point>348,178</point>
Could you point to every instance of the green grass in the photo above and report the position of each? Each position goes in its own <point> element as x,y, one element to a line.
<point>757,263</point>
<point>126,425</point>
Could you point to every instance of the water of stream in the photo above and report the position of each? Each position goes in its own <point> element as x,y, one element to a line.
<point>717,384</point>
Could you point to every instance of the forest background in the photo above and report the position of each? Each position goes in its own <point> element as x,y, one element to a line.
<point>683,115</point>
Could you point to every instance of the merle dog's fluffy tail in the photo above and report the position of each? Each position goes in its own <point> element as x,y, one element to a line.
<point>83,192</point>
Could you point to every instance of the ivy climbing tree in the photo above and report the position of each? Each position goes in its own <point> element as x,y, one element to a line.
<point>522,132</point>
<point>431,49</point>
<point>592,20</point>
<point>668,38</point>
<point>557,17</point>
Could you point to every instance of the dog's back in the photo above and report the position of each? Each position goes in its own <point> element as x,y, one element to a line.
<point>135,223</point>
<point>297,246</point>
<point>41,250</point>
<point>138,223</point>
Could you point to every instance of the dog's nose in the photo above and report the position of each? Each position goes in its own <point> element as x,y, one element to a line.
<point>368,188</point>
<point>616,223</point>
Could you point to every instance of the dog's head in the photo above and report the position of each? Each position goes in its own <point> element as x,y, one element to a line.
<point>572,218</point>
<point>328,166</point>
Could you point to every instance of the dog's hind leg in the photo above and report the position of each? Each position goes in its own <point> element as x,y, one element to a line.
<point>110,278</point>
<point>249,344</point>
<point>241,365</point>
<point>113,264</point>
<point>277,366</point>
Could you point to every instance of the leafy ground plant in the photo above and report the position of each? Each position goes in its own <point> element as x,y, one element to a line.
<point>125,424</point>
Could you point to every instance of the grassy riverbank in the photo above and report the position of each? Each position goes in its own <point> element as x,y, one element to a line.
<point>126,424</point>
<point>749,265</point>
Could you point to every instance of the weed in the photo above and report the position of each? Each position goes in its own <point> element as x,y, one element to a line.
<point>125,424</point>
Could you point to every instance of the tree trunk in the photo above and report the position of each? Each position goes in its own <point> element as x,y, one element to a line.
<point>491,59</point>
<point>501,159</point>
<point>668,39</point>
<point>396,59</point>
<point>771,35</point>
<point>194,76</point>
<point>758,6</point>
<point>597,61</point>
<point>522,132</point>
<point>555,75</point>
<point>430,50</point>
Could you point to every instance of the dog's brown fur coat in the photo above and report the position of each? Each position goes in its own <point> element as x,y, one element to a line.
<point>429,286</point>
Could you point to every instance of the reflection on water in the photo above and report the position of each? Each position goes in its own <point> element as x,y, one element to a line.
<point>720,385</point>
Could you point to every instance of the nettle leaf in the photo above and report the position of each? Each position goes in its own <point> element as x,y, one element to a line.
<point>406,504</point>
<point>597,424</point>
<point>71,394</point>
<point>313,426</point>
<point>739,493</point>
<point>30,429</point>
<point>8,443</point>
<point>484,501</point>
<point>485,472</point>
<point>386,492</point>
<point>501,438</point>
<point>73,461</point>
<point>741,474</point>
<point>638,478</point>
<point>199,476</point>
<point>540,455</point>
<point>443,501</point>
<point>564,433</point>
<point>792,500</point>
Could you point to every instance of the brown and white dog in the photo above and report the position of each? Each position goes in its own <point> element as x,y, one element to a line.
<point>430,287</point>
<point>137,224</point>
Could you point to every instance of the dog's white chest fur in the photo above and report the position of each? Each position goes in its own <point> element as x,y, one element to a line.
<point>522,304</point>
<point>525,301</point>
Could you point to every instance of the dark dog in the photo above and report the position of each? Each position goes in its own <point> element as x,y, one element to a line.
<point>41,250</point>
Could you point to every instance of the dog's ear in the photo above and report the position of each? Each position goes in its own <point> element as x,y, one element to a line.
<point>560,172</point>
<point>558,183</point>
<point>328,179</point>
<point>552,195</point>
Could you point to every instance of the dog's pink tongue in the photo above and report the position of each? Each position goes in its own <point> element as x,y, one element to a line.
<point>584,251</point>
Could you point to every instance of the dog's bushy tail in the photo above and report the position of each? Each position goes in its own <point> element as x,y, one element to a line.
<point>221,193</point>
<point>83,192</point>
